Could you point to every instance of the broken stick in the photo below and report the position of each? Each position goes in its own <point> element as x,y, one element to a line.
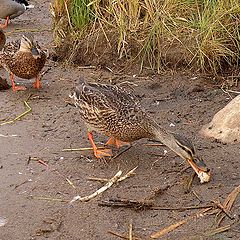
<point>29,109</point>
<point>100,190</point>
<point>103,180</point>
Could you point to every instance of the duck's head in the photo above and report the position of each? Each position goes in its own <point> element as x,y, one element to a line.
<point>27,45</point>
<point>75,96</point>
<point>187,151</point>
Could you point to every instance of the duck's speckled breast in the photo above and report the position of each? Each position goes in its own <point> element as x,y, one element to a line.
<point>24,65</point>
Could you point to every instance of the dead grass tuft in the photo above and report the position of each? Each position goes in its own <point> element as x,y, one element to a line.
<point>200,34</point>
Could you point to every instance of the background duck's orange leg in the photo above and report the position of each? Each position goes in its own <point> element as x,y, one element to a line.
<point>97,152</point>
<point>115,142</point>
<point>6,23</point>
<point>14,87</point>
<point>37,83</point>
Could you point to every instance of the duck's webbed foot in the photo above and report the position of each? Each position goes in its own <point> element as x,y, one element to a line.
<point>99,153</point>
<point>117,143</point>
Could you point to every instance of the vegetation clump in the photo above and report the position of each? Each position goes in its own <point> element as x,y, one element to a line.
<point>200,34</point>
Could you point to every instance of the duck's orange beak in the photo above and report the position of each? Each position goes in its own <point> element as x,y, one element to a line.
<point>201,169</point>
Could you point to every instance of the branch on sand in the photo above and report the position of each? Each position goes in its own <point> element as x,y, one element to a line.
<point>224,210</point>
<point>110,182</point>
<point>29,109</point>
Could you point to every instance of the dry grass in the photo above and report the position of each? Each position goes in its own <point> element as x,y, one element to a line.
<point>203,34</point>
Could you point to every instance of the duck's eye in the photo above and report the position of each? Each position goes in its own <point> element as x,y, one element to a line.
<point>186,149</point>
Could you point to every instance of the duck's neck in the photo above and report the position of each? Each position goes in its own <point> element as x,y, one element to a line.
<point>167,138</point>
<point>182,147</point>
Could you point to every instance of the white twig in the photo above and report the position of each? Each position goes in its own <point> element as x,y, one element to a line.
<point>129,174</point>
<point>113,180</point>
<point>103,180</point>
<point>231,91</point>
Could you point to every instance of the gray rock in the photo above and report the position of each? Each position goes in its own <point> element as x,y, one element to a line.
<point>225,125</point>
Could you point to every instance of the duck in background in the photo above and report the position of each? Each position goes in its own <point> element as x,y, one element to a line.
<point>24,60</point>
<point>10,9</point>
<point>3,83</point>
<point>117,113</point>
<point>2,39</point>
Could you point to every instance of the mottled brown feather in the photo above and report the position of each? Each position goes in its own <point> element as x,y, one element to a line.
<point>112,110</point>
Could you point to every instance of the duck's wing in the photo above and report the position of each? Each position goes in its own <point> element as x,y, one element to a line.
<point>11,48</point>
<point>7,54</point>
<point>106,97</point>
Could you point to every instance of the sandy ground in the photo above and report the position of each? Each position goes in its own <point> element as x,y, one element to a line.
<point>182,102</point>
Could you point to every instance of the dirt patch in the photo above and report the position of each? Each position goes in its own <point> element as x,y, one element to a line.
<point>182,102</point>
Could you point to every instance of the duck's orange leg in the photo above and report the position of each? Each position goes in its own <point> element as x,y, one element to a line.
<point>117,143</point>
<point>37,83</point>
<point>6,23</point>
<point>14,87</point>
<point>97,152</point>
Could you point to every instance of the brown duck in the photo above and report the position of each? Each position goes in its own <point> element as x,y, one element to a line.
<point>24,60</point>
<point>115,112</point>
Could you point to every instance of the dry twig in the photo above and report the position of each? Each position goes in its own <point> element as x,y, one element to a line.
<point>212,232</point>
<point>117,234</point>
<point>222,208</point>
<point>29,109</point>
<point>127,204</point>
<point>130,232</point>
<point>228,203</point>
<point>172,227</point>
<point>147,204</point>
<point>79,149</point>
<point>168,229</point>
<point>37,160</point>
<point>127,175</point>
<point>110,182</point>
<point>100,190</point>
<point>103,180</point>
<point>67,179</point>
<point>70,183</point>
<point>231,91</point>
